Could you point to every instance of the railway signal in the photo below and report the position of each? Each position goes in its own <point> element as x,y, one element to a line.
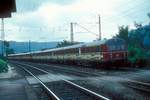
<point>71,35</point>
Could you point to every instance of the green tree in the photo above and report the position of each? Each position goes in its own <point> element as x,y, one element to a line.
<point>135,54</point>
<point>65,43</point>
<point>123,32</point>
<point>3,66</point>
<point>9,51</point>
<point>137,25</point>
<point>148,14</point>
<point>6,43</point>
<point>7,48</point>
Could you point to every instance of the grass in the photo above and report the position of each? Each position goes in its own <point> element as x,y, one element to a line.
<point>3,66</point>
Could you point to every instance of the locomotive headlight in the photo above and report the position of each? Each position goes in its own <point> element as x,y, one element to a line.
<point>117,55</point>
<point>101,57</point>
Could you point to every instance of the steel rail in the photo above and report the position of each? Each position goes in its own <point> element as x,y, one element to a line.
<point>141,83</point>
<point>52,95</point>
<point>142,86</point>
<point>58,67</point>
<point>91,93</point>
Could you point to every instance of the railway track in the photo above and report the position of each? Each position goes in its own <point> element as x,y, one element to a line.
<point>140,86</point>
<point>81,71</point>
<point>64,89</point>
<point>136,85</point>
<point>58,69</point>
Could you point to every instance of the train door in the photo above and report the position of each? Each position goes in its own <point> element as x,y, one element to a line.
<point>104,52</point>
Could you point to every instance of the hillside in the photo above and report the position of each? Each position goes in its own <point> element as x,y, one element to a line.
<point>19,47</point>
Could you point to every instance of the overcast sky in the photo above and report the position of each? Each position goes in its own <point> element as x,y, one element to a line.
<point>49,20</point>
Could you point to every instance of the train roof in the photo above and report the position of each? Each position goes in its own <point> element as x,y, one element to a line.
<point>89,44</point>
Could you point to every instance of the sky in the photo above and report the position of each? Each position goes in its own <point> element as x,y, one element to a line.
<point>49,20</point>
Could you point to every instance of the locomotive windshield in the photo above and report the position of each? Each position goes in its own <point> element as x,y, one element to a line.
<point>116,44</point>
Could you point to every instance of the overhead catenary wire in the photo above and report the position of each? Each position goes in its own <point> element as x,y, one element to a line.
<point>127,11</point>
<point>133,13</point>
<point>86,29</point>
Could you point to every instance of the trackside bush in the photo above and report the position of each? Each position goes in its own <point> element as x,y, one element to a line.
<point>3,66</point>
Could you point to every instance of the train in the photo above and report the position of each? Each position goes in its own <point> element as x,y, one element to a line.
<point>100,53</point>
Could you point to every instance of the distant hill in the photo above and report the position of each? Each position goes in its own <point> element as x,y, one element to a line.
<point>20,47</point>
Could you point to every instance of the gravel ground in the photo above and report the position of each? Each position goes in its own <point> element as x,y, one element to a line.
<point>10,74</point>
<point>111,89</point>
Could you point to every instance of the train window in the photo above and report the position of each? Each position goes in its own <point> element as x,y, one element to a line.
<point>97,49</point>
<point>113,47</point>
<point>52,53</point>
<point>117,47</point>
<point>90,49</point>
<point>122,47</point>
<point>104,48</point>
<point>110,47</point>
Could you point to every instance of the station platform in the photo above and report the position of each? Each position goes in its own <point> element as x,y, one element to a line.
<point>15,87</point>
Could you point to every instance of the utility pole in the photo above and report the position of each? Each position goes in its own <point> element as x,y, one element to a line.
<point>29,46</point>
<point>2,38</point>
<point>99,22</point>
<point>71,33</point>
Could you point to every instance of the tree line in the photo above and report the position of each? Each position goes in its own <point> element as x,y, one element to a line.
<point>138,41</point>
